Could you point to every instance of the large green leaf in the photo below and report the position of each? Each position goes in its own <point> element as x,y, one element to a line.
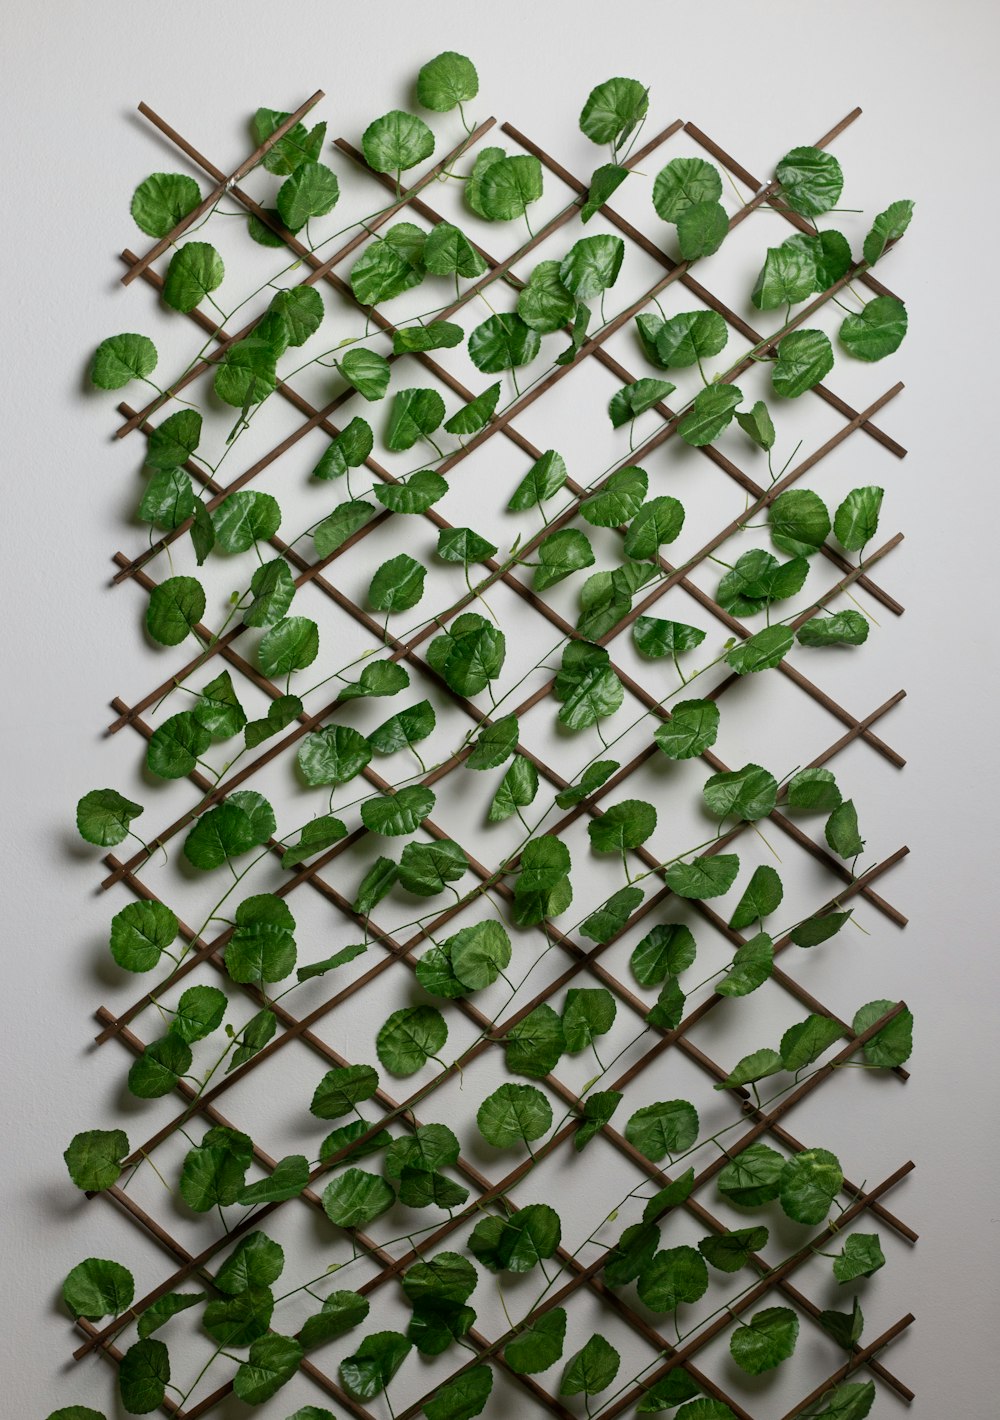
<point>368,372</point>
<point>398,584</point>
<point>701,229</point>
<point>448,250</point>
<point>730,1251</point>
<point>762,651</point>
<point>710,413</point>
<point>666,951</point>
<point>246,374</point>
<point>447,81</point>
<point>888,226</point>
<point>842,628</point>
<point>228,830</point>
<point>683,183</point>
<point>396,141</point>
<point>534,1044</point>
<point>618,501</point>
<point>799,522</point>
<point>667,1128</point>
<point>289,645</point>
<point>461,1398</point>
<point>239,1320</point>
<point>808,1184</point>
<point>103,817</point>
<point>752,1177</point>
<point>98,1287</point>
<point>598,1109</point>
<point>765,1341</point>
<point>175,606</point>
<point>877,331</point>
<point>804,358</point>
<point>427,868</point>
<point>245,518</point>
<point>140,933</point>
<point>860,1257</point>
<point>295,147</point>
<point>658,521</point>
<point>413,495</point>
<point>811,180</point>
<point>803,1043</point>
<point>94,1158</point>
<point>196,269</point>
<point>409,1038</point>
<point>472,417</point>
<point>545,304</point>
<point>755,1066</point>
<point>787,277</point>
<point>503,342</point>
<point>415,414</point>
<point>634,399</point>
<point>613,109</point>
<point>514,1114</point>
<point>589,1012</point>
<point>674,1387</point>
<point>159,1068</point>
<point>342,524</point>
<point>625,825</point>
<point>703,877</point>
<point>841,831</point>
<point>355,1198</point>
<point>592,265</point>
<point>610,918</point>
<point>509,186</point>
<point>587,685</point>
<point>122,358</point>
<point>749,793</point>
<point>655,638</point>
<point>162,200</point>
<point>311,191</point>
<point>469,654</point>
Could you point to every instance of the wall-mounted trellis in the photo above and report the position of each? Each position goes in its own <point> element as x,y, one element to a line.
<point>204,957</point>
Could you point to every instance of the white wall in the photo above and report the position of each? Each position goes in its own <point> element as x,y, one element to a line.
<point>759,77</point>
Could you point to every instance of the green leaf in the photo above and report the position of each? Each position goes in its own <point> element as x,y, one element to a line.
<point>673,1276</point>
<point>390,265</point>
<point>199,1012</point>
<point>856,520</point>
<point>799,522</point>
<point>378,678</point>
<point>657,1130</point>
<point>395,815</point>
<point>544,303</point>
<point>98,1287</point>
<point>121,359</point>
<point>160,1312</point>
<point>542,481</point>
<point>415,413</point>
<point>591,1370</point>
<point>749,793</point>
<point>342,524</point>
<point>598,1109</point>
<point>625,825</point>
<point>162,200</point>
<point>356,1198</point>
<point>103,817</point>
<point>175,606</point>
<point>447,81</point>
<point>701,230</point>
<point>271,1363</point>
<point>245,518</point>
<point>341,958</point>
<point>683,183</point>
<point>296,147</point>
<point>398,584</point>
<point>762,896</point>
<point>224,832</point>
<point>703,877</point>
<point>464,546</point>
<point>731,1251</point>
<point>813,791</point>
<point>143,1373</point>
<point>674,1387</point>
<point>478,954</point>
<point>367,372</point>
<point>376,883</point>
<point>449,250</point>
<point>542,888</point>
<point>710,413</point>
<point>861,1256</point>
<point>755,1066</point>
<point>371,1368</point>
<point>588,1013</point>
<point>262,947</point>
<point>666,1014</point>
<point>877,331</point>
<point>514,1114</point>
<point>517,1244</point>
<point>517,789</point>
<point>439,335</point>
<point>613,109</point>
<point>196,269</point>
<point>287,1179</point>
<point>168,499</point>
<point>495,744</point>
<point>94,1157</point>
<point>756,422</point>
<point>280,714</point>
<point>418,493</point>
<point>689,337</point>
<point>218,708</point>
<point>842,830</point>
<point>341,1089</point>
<point>888,226</point>
<point>893,1043</point>
<point>256,1261</point>
<point>844,1327</point>
<point>260,232</point>
<point>254,1036</point>
<point>843,628</point>
<point>587,685</point>
<point>534,1044</point>
<point>475,415</point>
<point>808,1185</point>
<point>655,638</point>
<point>159,1067</point>
<point>539,1345</point>
<point>246,374</point>
<point>311,191</point>
<point>485,159</point>
<point>751,1179</point>
<point>559,555</point>
<point>404,729</point>
<point>461,1398</point>
<point>618,501</point>
<point>752,965</point>
<point>851,1401</point>
<point>811,182</point>
<point>592,778</point>
<point>239,1320</point>
<point>815,930</point>
<point>289,645</point>
<point>762,651</point>
<point>503,342</point>
<point>468,655</point>
<point>757,579</point>
<point>396,141</point>
<point>592,265</point>
<point>140,933</point>
<point>409,1038</point>
<point>666,951</point>
<point>765,1341</point>
<point>635,399</point>
<point>787,277</point>
<point>300,310</point>
<point>340,1313</point>
<point>174,441</point>
<point>578,335</point>
<point>509,186</point>
<point>804,358</point>
<point>658,521</point>
<point>430,1146</point>
<point>693,726</point>
<point>606,598</point>
<point>604,183</point>
<point>273,589</point>
<point>611,917</point>
<point>427,868</point>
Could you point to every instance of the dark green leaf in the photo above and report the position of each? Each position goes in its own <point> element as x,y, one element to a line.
<point>246,374</point>
<point>517,1244</point>
<point>731,1251</point>
<point>447,81</point>
<point>280,714</point>
<point>625,825</point>
<point>542,888</point>
<point>844,1327</point>
<point>239,1320</point>
<point>143,1373</point>
<point>762,896</point>
<point>703,877</point>
<point>592,265</point>
<point>475,415</point>
<point>755,1066</point>
<point>613,109</point>
<point>765,1341</point>
<point>509,186</point>
<point>534,1044</point>
<point>611,917</point>
<point>340,1313</point>
<point>701,229</point>
<point>658,521</point>
<point>341,958</point>
<point>756,422</point>
<point>461,1398</point>
<point>592,778</point>
<point>693,726</point>
<point>195,270</point>
<point>367,372</point>
<point>710,413</point>
<point>390,265</point>
<point>618,501</point>
<point>300,310</point>
<point>588,1013</point>
<point>160,1312</point>
<point>468,655</point>
<point>262,947</point>
<point>341,1089</point>
<point>485,159</point>
<point>439,335</point>
<point>799,522</point>
<point>842,830</point>
<point>587,686</point>
<point>173,442</point>
<point>591,1370</point>
<point>409,1038</point>
<point>815,930</point>
<point>199,1012</point>
<point>311,191</point>
<point>356,1198</point>
<point>861,1256</point>
<point>371,1368</point>
<point>94,1157</point>
<point>98,1287</point>
<point>287,1179</point>
<point>517,789</point>
<point>809,1182</point>
<point>761,651</point>
<point>175,606</point>
<point>843,628</point>
<point>348,450</point>
<point>666,951</point>
<point>271,1363</point>
<point>877,332</point>
<point>254,1036</point>
<point>597,1111</point>
<point>559,555</point>
<point>654,638</point>
<point>514,1114</point>
<point>749,793</point>
<point>141,933</point>
<point>752,964</point>
<point>671,1389</point>
<point>539,1346</point>
<point>751,1179</point>
<point>273,589</point>
<point>673,1276</point>
<point>121,359</point>
<point>545,304</point>
<point>813,791</point>
<point>295,147</point>
<point>335,755</point>
<point>175,746</point>
<point>426,868</point>
<point>289,645</point>
<point>395,815</point>
<point>158,1069</point>
<point>464,546</point>
<point>218,708</point>
<point>418,493</point>
<point>891,1045</point>
<point>804,357</point>
<point>503,342</point>
<point>168,499</point>
<point>657,1130</point>
<point>604,183</point>
<point>448,250</point>
<point>856,520</point>
<point>542,481</point>
<point>376,883</point>
<point>888,226</point>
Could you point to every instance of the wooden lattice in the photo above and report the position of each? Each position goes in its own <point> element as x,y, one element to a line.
<point>580,962</point>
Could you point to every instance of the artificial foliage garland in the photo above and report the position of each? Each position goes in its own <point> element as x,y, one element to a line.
<point>234,827</point>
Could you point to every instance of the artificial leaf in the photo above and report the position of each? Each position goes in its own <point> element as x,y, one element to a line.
<point>683,183</point>
<point>843,628</point>
<point>143,1373</point>
<point>755,1066</point>
<point>877,331</point>
<point>140,933</point>
<point>673,1276</point>
<point>711,412</point>
<point>752,1177</point>
<point>195,271</point>
<point>396,141</point>
<point>860,1257</point>
<point>701,229</point>
<point>409,1038</point>
<point>98,1287</point>
<point>703,877</point>
<point>94,1158</point>
<point>730,1251</point>
<point>667,1128</point>
<point>613,109</point>
<point>395,815</point>
<point>539,1345</point>
<point>591,1370</point>
<point>765,1341</point>
<point>122,358</point>
<point>808,1184</point>
<point>761,897</point>
<point>162,200</point>
<point>289,645</point>
<point>270,1364</point>
<point>355,1198</point>
<point>692,728</point>
<point>811,180</point>
<point>749,793</point>
<point>893,1044</point>
<point>514,1114</point>
<point>509,186</point>
<point>888,226</point>
<point>415,414</point>
<point>175,607</point>
<point>751,966</point>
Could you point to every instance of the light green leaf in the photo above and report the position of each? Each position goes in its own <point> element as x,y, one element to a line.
<point>592,265</point>
<point>196,269</point>
<point>877,331</point>
<point>485,159</point>
<point>121,359</point>
<point>752,965</point>
<point>765,1341</point>
<point>811,181</point>
<point>246,374</point>
<point>140,933</point>
<point>815,930</point>
<point>587,685</point>
<point>625,825</point>
<point>710,413</point>
<point>509,186</point>
<point>396,141</point>
<point>787,277</point>
<point>561,554</point>
<point>891,1045</point>
<point>683,183</point>
<point>289,645</point>
<point>479,953</point>
<point>341,958</point>
<point>809,1182</point>
<point>447,81</point>
<point>693,726</point>
<point>888,226</point>
<point>218,708</point>
<point>355,1198</point>
<point>162,200</point>
<point>761,897</point>
<point>613,109</point>
<point>703,877</point>
<point>749,793</point>
<point>390,265</point>
<point>673,1276</point>
<point>514,1114</point>
<point>542,888</point>
<point>545,304</point>
<point>439,335</point>
<point>657,1130</point>
<point>103,817</point>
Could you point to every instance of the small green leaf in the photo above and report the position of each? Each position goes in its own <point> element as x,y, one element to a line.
<point>464,546</point>
<point>349,449</point>
<point>625,825</point>
<point>475,415</point>
<point>815,930</point>
<point>196,269</point>
<point>762,896</point>
<point>534,1044</point>
<point>803,1043</point>
<point>657,1130</point>
<point>674,1387</point>
<point>762,651</point>
<point>843,628</point>
<point>173,442</point>
<point>218,708</point>
<point>666,1014</point>
<point>861,1256</point>
<point>160,1066</point>
<point>478,954</point>
<point>98,1287</point>
<point>765,1341</point>
<point>199,1012</point>
<point>752,965</point>
<point>689,337</point>
<point>341,958</point>
<point>888,226</point>
<point>673,1276</point>
<point>842,830</point>
<point>592,778</point>
<point>485,159</point>
<point>611,917</point>
<point>756,422</point>
<point>604,183</point>
<point>851,1401</point>
<point>140,933</point>
<point>598,1109</point>
<point>289,645</point>
<point>856,520</point>
<point>666,951</point>
<point>751,1178</point>
<point>591,1370</point>
<point>683,183</point>
<point>121,359</point>
<point>893,1044</point>
<point>295,147</point>
<point>514,1114</point>
<point>439,335</point>
<point>160,1312</point>
<point>280,714</point>
<point>545,304</point>
<point>341,1089</point>
<point>427,868</point>
<point>589,1012</point>
<point>447,81</point>
<point>273,589</point>
<point>710,413</point>
<point>469,655</point>
<point>143,1373</point>
<point>376,883</point>
<point>811,181</point>
<point>618,501</point>
<point>103,817</point>
<point>657,522</point>
<point>703,877</point>
<point>286,1180</point>
<point>542,481</point>
<point>808,1185</point>
<point>415,414</point>
<point>539,1345</point>
<point>355,1198</point>
<point>519,1243</point>
<point>168,499</point>
<point>693,727</point>
<point>877,331</point>
<point>229,829</point>
<point>418,493</point>
<point>542,888</point>
<point>162,200</point>
<point>409,1038</point>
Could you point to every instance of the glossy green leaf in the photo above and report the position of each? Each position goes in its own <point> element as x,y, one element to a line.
<point>409,1038</point>
<point>469,654</point>
<point>591,1370</point>
<point>808,1185</point>
<point>843,628</point>
<point>592,778</point>
<point>613,109</point>
<point>667,1128</point>
<point>799,522</point>
<point>418,493</point>
<point>390,265</point>
<point>598,1109</point>
<point>534,1044</point>
<point>300,310</point>
<point>666,951</point>
<point>427,868</point>
<point>893,1044</point>
<point>271,1363</point>
<point>860,1257</point>
<point>611,917</point>
<point>218,708</point>
<point>701,230</point>
<point>803,1043</point>
<point>289,645</point>
<point>223,832</point>
<point>494,744</point>
<point>586,685</point>
<point>449,250</point>
<point>673,1276</point>
<point>514,1114</point>
<point>256,1261</point>
<point>509,186</point>
<point>761,897</point>
<point>262,947</point>
<point>311,191</point>
<point>787,277</point>
<point>618,501</point>
<point>655,638</point>
<point>438,335</point>
<point>751,967</point>
<point>280,714</point>
<point>765,1341</point>
<point>447,81</point>
<point>122,358</point>
<point>341,1089</point>
<point>368,372</point>
<point>592,265</point>
<point>542,888</point>
<point>749,793</point>
<point>657,522</point>
<point>174,441</point>
<point>730,1251</point>
<point>253,1037</point>
<point>755,1066</point>
<point>877,331</point>
<point>342,524</point>
<point>162,200</point>
<point>710,413</point>
<point>888,226</point>
<point>195,271</point>
<point>103,817</point>
<point>143,1373</point>
<point>813,791</point>
<point>692,728</point>
<point>395,815</point>
<point>751,1178</point>
<point>762,651</point>
<point>811,180</point>
<point>856,520</point>
<point>396,141</point>
<point>464,546</point>
<point>757,579</point>
<point>804,358</point>
<point>273,589</point>
<point>539,1345</point>
<point>199,1012</point>
<point>683,183</point>
<point>503,342</point>
<point>244,518</point>
<point>94,1157</point>
<point>404,729</point>
<point>519,1243</point>
<point>545,304</point>
<point>516,790</point>
<point>239,1320</point>
<point>355,1198</point>
<point>340,1313</point>
<point>668,1011</point>
<point>140,933</point>
<point>334,755</point>
<point>296,147</point>
<point>485,159</point>
<point>287,1180</point>
<point>398,584</point>
<point>851,1401</point>
<point>475,415</point>
<point>625,825</point>
<point>703,877</point>
<point>542,481</point>
<point>168,499</point>
<point>461,1398</point>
